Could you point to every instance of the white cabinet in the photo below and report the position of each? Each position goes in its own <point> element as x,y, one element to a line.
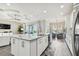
<point>24,48</point>
<point>33,47</point>
<point>20,47</point>
<point>27,48</point>
<point>15,46</point>
<point>45,42</point>
<point>42,44</point>
<point>39,46</point>
<point>4,41</point>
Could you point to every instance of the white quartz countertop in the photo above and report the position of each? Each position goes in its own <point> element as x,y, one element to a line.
<point>26,37</point>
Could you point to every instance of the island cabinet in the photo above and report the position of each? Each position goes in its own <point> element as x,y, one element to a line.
<point>42,45</point>
<point>15,46</point>
<point>23,47</point>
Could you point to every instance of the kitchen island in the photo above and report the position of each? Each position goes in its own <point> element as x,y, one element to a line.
<point>24,45</point>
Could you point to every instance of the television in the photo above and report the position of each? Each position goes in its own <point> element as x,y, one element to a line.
<point>5,26</point>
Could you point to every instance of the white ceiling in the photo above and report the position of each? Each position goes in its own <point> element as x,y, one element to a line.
<point>36,11</point>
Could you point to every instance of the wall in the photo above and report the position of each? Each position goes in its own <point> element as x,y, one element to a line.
<point>14,26</point>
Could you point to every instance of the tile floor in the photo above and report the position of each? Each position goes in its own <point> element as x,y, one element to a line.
<point>5,51</point>
<point>56,48</point>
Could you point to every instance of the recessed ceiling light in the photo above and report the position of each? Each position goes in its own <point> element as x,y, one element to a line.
<point>62,6</point>
<point>44,11</point>
<point>8,4</point>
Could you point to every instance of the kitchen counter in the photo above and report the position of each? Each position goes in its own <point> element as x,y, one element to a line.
<point>27,37</point>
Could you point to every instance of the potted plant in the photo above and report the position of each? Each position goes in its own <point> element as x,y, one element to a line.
<point>20,29</point>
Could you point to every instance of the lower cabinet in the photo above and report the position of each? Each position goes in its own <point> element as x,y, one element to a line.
<point>45,42</point>
<point>33,47</point>
<point>42,45</point>
<point>36,47</point>
<point>39,46</point>
<point>24,48</point>
<point>15,46</point>
<point>4,41</point>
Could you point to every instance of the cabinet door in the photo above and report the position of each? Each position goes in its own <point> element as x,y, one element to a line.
<point>39,46</point>
<point>4,41</point>
<point>15,46</point>
<point>45,42</point>
<point>24,48</point>
<point>42,44</point>
<point>33,47</point>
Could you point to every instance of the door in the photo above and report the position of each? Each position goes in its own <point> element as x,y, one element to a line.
<point>76,35</point>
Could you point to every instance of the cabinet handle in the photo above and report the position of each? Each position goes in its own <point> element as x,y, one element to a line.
<point>13,41</point>
<point>23,44</point>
